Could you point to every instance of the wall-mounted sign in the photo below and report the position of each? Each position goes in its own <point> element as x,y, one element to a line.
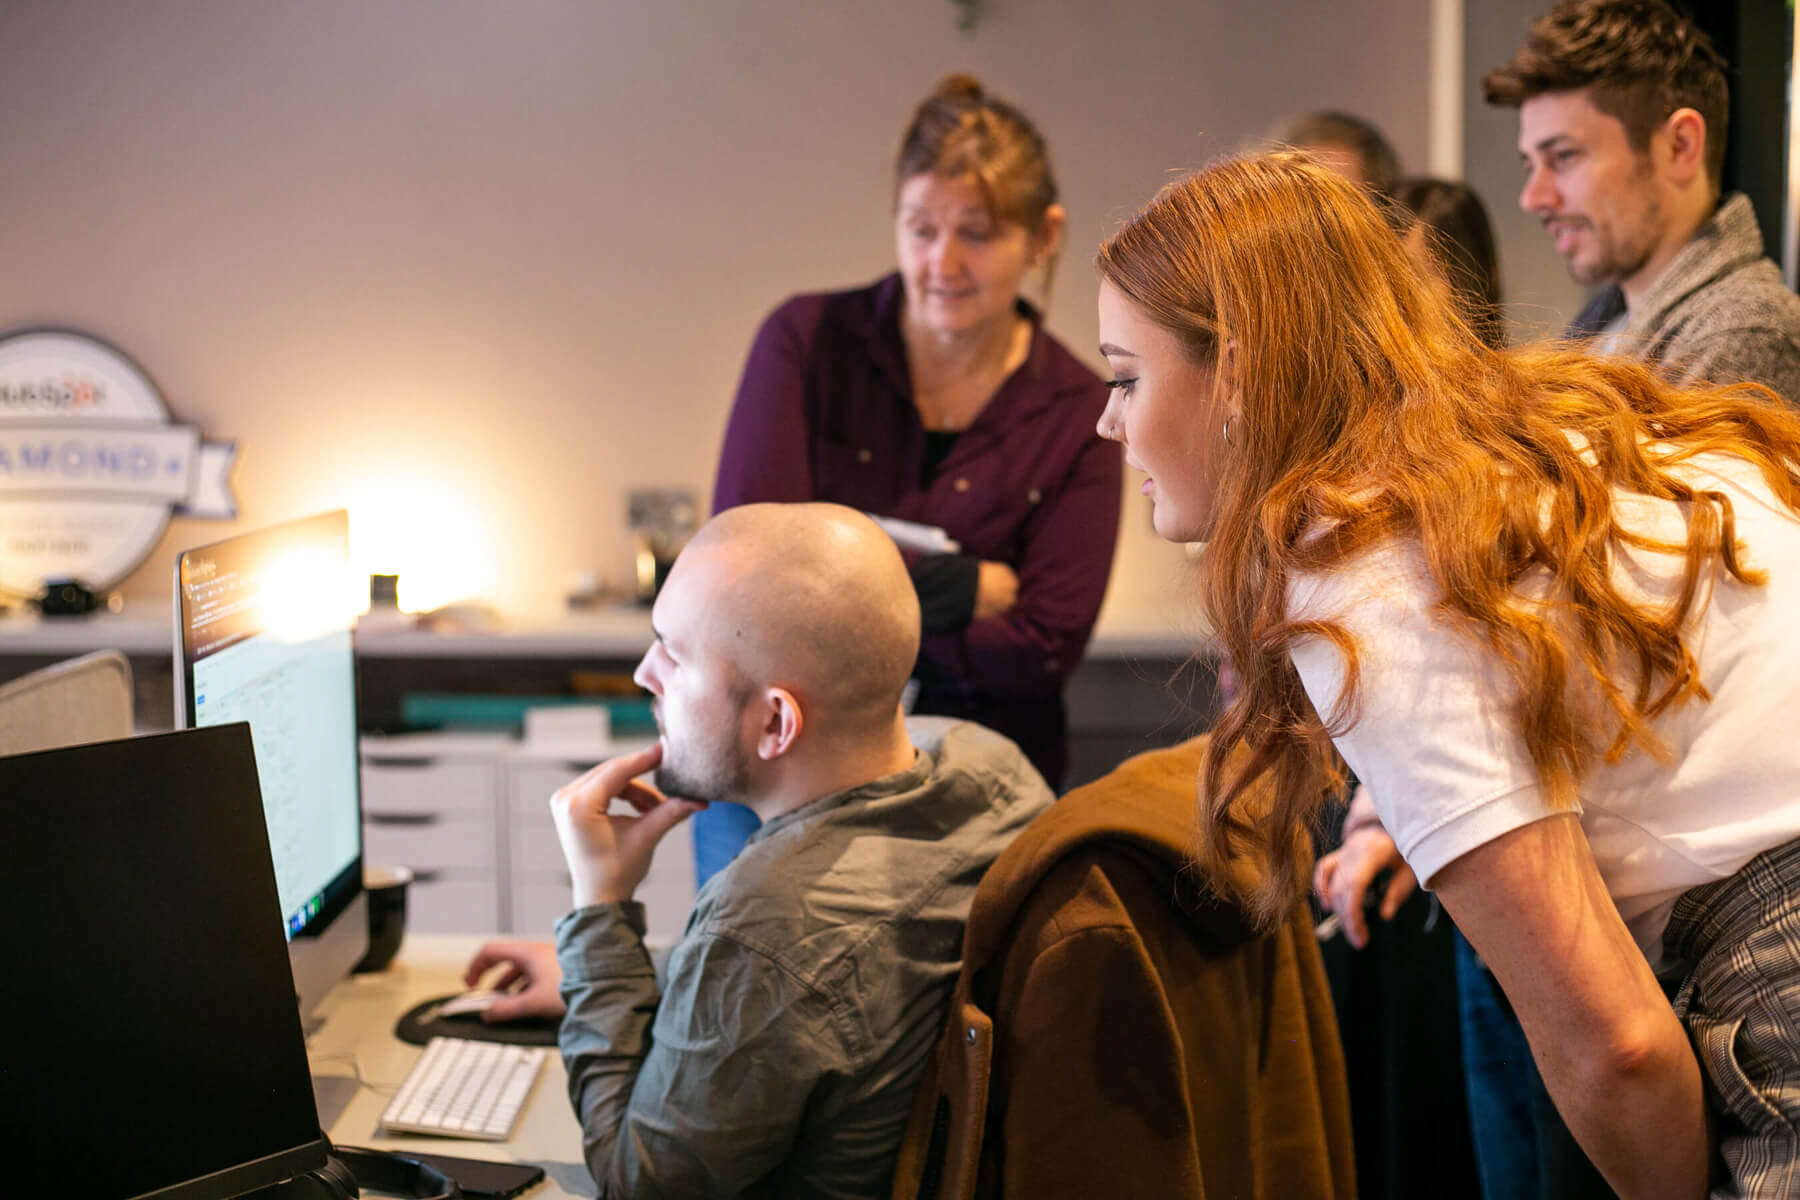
<point>91,466</point>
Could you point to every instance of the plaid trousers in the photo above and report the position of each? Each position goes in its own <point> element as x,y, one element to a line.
<point>1740,1003</point>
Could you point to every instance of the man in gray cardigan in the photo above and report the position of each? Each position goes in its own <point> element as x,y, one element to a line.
<point>780,1053</point>
<point>1622,108</point>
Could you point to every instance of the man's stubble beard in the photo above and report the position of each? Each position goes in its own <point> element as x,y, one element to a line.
<point>1624,259</point>
<point>724,775</point>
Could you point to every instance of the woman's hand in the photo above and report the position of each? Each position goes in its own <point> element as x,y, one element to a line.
<point>997,590</point>
<point>1342,879</point>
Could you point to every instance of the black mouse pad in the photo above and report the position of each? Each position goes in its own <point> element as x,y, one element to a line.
<point>538,1031</point>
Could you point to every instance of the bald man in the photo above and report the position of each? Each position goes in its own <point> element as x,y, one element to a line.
<point>782,1054</point>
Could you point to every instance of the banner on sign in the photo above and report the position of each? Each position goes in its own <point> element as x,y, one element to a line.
<point>91,465</point>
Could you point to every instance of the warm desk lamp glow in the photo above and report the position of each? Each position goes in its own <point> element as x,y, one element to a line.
<point>305,594</point>
<point>428,533</point>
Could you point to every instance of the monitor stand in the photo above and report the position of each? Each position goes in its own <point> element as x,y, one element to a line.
<point>333,1094</point>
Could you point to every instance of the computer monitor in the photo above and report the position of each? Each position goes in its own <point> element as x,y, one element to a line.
<point>149,1044</point>
<point>263,634</point>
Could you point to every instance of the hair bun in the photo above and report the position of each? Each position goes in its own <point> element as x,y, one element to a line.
<point>958,87</point>
<point>961,130</point>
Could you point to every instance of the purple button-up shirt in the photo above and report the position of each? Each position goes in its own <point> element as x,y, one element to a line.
<point>825,412</point>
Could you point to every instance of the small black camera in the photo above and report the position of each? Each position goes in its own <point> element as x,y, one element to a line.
<point>66,598</point>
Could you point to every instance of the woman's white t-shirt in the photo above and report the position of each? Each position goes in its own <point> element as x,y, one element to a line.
<point>1437,746</point>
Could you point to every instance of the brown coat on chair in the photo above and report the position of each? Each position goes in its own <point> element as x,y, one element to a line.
<point>1118,1031</point>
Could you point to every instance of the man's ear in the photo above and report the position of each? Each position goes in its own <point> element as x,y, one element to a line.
<point>782,721</point>
<point>1684,136</point>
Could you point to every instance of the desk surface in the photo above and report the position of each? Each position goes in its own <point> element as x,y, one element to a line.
<point>607,633</point>
<point>357,1035</point>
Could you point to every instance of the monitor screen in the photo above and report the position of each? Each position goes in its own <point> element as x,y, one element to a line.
<point>263,635</point>
<point>156,1050</point>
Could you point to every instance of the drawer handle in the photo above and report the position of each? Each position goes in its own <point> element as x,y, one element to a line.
<point>409,819</point>
<point>371,760</point>
<point>427,876</point>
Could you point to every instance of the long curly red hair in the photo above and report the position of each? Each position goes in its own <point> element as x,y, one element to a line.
<point>1371,412</point>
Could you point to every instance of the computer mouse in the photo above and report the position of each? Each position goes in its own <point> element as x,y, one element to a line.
<point>471,1003</point>
<point>464,1014</point>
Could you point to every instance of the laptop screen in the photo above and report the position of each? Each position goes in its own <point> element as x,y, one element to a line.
<point>149,1040</point>
<point>264,625</point>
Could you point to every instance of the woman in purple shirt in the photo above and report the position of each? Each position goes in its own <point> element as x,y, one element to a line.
<point>934,395</point>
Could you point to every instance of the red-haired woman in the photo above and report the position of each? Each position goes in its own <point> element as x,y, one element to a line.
<point>1541,603</point>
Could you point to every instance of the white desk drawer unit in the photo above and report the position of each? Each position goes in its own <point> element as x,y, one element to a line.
<point>455,872</point>
<point>470,814</point>
<point>429,803</point>
<point>396,782</point>
<point>462,843</point>
<point>538,904</point>
<point>442,902</point>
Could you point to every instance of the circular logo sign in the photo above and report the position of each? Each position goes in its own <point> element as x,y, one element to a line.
<point>91,466</point>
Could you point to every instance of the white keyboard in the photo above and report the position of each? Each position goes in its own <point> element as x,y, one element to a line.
<point>466,1089</point>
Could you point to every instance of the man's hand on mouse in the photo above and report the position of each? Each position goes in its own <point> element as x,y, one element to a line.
<point>534,964</point>
<point>608,856</point>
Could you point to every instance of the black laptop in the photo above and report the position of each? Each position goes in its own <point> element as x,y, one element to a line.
<point>150,1043</point>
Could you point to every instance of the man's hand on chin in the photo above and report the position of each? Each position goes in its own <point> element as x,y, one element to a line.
<point>608,855</point>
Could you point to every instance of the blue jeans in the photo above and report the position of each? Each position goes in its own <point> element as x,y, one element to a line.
<point>720,831</point>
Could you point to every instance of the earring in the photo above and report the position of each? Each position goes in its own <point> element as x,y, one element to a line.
<point>1226,431</point>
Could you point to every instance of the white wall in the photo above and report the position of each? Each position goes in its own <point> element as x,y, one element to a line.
<point>1540,296</point>
<point>473,268</point>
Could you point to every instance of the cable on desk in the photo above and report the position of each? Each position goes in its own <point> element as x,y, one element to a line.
<point>345,1056</point>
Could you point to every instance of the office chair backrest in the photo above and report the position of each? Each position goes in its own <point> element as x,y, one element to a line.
<point>86,699</point>
<point>1119,1028</point>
